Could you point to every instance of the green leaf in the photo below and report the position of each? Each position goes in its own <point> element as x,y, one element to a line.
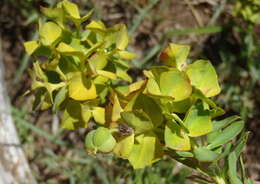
<point>71,9</point>
<point>175,84</point>
<point>198,121</point>
<point>96,26</point>
<point>116,109</point>
<point>124,146</point>
<point>126,55</point>
<point>145,151</point>
<point>227,134</point>
<point>232,169</point>
<point>175,55</point>
<point>81,88</point>
<point>59,98</point>
<point>240,144</point>
<point>178,107</point>
<point>86,113</point>
<point>56,14</point>
<point>99,115</point>
<point>106,74</point>
<point>50,33</point>
<point>31,47</point>
<point>150,107</point>
<point>205,155</point>
<point>71,119</point>
<point>122,40</point>
<point>66,49</point>
<point>204,77</point>
<point>153,88</point>
<point>218,125</point>
<point>121,72</point>
<point>98,60</point>
<point>175,138</point>
<point>138,120</point>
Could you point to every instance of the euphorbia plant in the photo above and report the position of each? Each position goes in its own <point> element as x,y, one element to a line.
<point>82,71</point>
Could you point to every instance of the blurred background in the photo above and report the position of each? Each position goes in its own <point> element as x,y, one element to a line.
<point>224,31</point>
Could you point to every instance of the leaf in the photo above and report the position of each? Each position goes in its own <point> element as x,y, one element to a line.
<point>99,115</point>
<point>178,107</point>
<point>145,151</point>
<point>103,140</point>
<point>107,74</point>
<point>153,87</point>
<point>81,88</point>
<point>71,9</point>
<point>227,134</point>
<point>56,14</point>
<point>86,113</point>
<point>121,72</point>
<point>116,109</point>
<point>98,60</point>
<point>240,144</point>
<point>122,39</point>
<point>150,107</point>
<point>175,138</point>
<point>66,49</point>
<point>50,33</point>
<point>71,119</point>
<point>204,77</point>
<point>138,120</point>
<point>198,121</point>
<point>232,169</point>
<point>59,98</point>
<point>124,146</point>
<point>175,84</point>
<point>175,55</point>
<point>205,155</point>
<point>96,26</point>
<point>126,55</point>
<point>31,47</point>
<point>218,125</point>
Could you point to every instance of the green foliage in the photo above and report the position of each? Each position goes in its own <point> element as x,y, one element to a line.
<point>248,10</point>
<point>84,74</point>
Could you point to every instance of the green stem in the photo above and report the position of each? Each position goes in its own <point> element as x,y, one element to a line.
<point>219,180</point>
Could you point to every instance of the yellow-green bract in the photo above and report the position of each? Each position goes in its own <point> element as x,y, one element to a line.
<point>84,74</point>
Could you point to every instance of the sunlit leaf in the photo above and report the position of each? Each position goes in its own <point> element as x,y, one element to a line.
<point>99,114</point>
<point>98,60</point>
<point>175,138</point>
<point>81,88</point>
<point>138,120</point>
<point>198,121</point>
<point>49,33</point>
<point>71,9</point>
<point>126,55</point>
<point>175,55</point>
<point>31,47</point>
<point>96,25</point>
<point>204,77</point>
<point>145,151</point>
<point>124,146</point>
<point>71,119</point>
<point>175,84</point>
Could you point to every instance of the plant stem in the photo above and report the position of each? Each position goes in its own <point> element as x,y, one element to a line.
<point>219,180</point>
